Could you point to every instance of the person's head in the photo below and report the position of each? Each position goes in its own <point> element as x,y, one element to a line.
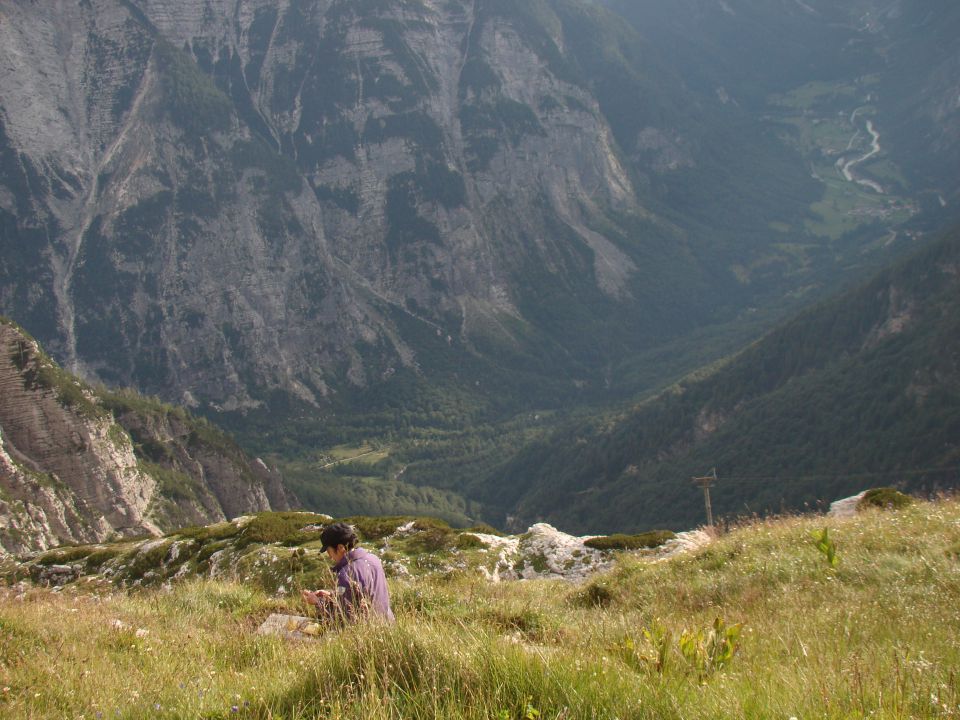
<point>338,539</point>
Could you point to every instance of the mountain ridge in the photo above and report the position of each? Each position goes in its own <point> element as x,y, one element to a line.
<point>860,387</point>
<point>84,465</point>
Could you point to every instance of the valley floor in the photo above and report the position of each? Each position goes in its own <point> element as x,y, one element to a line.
<point>756,625</point>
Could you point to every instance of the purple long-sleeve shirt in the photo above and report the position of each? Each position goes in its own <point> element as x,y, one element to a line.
<point>361,583</point>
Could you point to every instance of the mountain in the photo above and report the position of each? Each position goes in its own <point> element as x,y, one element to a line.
<point>903,53</point>
<point>861,390</point>
<point>439,230</point>
<point>79,464</point>
<point>277,206</point>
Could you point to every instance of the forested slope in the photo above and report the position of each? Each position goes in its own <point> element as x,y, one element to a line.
<point>862,390</point>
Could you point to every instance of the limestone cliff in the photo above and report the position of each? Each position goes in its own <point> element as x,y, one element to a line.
<point>246,204</point>
<point>231,199</point>
<point>71,472</point>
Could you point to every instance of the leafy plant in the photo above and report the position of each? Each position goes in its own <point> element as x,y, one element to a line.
<point>650,654</point>
<point>528,711</point>
<point>826,547</point>
<point>709,652</point>
<point>659,638</point>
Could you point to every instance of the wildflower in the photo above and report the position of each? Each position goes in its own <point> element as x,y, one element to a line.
<point>234,708</point>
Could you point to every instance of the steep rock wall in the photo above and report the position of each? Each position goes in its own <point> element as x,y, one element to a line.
<point>234,198</point>
<point>70,472</point>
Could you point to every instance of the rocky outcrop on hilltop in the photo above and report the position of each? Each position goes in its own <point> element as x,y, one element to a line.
<point>71,472</point>
<point>281,551</point>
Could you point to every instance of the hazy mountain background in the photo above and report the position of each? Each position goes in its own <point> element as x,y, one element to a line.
<point>433,234</point>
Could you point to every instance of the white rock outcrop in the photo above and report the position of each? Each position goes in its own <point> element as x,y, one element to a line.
<point>847,507</point>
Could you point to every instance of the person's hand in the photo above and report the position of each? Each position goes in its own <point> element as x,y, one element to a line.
<point>315,597</point>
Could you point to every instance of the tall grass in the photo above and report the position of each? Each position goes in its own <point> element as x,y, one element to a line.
<point>878,635</point>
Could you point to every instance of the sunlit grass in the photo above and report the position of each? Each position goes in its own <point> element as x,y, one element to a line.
<point>876,636</point>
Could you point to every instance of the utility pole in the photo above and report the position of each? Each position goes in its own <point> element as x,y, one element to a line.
<point>705,482</point>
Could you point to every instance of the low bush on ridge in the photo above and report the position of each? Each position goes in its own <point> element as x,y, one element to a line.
<point>651,539</point>
<point>885,498</point>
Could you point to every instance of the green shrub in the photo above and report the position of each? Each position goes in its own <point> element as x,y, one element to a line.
<point>375,528</point>
<point>651,539</point>
<point>430,536</point>
<point>192,99</point>
<point>172,484</point>
<point>302,537</point>
<point>530,623</point>
<point>140,561</point>
<point>485,529</point>
<point>97,558</point>
<point>209,549</point>
<point>466,541</point>
<point>64,556</point>
<point>596,594</point>
<point>278,527</point>
<point>885,498</point>
<point>710,651</point>
<point>205,533</point>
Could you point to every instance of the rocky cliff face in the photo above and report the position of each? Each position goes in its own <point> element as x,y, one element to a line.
<point>70,471</point>
<point>229,199</point>
<point>239,203</point>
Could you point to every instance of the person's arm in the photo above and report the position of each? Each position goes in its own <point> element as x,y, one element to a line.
<point>317,597</point>
<point>346,595</point>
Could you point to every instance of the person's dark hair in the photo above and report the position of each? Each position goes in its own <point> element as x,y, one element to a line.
<point>338,534</point>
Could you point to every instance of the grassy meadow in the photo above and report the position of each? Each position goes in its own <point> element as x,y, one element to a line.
<point>758,624</point>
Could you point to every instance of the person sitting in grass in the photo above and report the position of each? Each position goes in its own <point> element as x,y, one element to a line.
<point>361,584</point>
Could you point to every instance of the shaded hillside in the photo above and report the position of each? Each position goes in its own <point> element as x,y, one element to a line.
<point>79,464</point>
<point>860,390</point>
